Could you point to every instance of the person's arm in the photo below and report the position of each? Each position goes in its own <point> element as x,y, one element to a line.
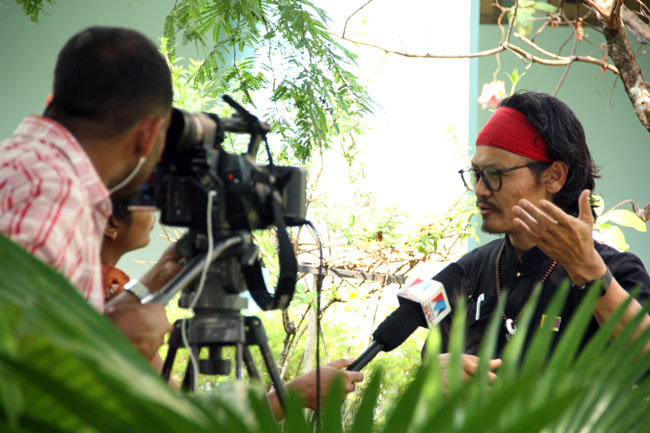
<point>145,325</point>
<point>164,270</point>
<point>305,385</point>
<point>569,240</point>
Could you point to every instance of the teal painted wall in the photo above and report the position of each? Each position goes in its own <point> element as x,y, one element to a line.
<point>29,51</point>
<point>620,145</point>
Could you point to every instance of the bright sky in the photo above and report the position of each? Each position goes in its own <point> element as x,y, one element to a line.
<point>409,155</point>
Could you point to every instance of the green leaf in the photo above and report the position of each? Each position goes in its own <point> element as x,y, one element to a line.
<point>76,373</point>
<point>614,236</point>
<point>332,421</point>
<point>546,7</point>
<point>363,420</point>
<point>624,218</point>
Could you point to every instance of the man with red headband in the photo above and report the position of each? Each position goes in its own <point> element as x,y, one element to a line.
<point>533,175</point>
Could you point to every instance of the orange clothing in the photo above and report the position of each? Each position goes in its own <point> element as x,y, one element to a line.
<point>114,281</point>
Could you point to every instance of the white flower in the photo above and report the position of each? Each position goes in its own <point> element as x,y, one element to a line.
<point>492,93</point>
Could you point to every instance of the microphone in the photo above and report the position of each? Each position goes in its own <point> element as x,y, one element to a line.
<point>422,303</point>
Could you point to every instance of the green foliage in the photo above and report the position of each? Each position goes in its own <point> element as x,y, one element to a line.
<point>280,51</point>
<point>65,368</point>
<point>33,8</point>
<point>607,227</point>
<point>527,11</point>
<point>514,78</point>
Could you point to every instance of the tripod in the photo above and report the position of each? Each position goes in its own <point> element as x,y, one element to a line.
<point>217,322</point>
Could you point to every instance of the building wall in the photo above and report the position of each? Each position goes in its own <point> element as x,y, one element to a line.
<point>28,50</point>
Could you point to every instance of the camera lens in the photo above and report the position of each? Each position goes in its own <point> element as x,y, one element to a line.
<point>188,130</point>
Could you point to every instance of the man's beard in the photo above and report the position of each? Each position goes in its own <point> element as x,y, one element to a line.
<point>485,226</point>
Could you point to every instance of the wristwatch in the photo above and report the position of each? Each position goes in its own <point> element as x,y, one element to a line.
<point>137,289</point>
<point>605,282</point>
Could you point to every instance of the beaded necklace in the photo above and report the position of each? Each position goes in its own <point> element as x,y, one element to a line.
<point>511,324</point>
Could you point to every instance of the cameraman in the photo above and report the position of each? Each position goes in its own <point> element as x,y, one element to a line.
<point>102,133</point>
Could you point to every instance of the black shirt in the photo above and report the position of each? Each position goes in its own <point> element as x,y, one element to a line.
<point>478,287</point>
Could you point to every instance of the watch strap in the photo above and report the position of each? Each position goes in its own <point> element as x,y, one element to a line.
<point>137,289</point>
<point>605,281</point>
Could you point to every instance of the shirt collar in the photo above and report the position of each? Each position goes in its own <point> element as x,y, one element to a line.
<point>531,260</point>
<point>43,128</point>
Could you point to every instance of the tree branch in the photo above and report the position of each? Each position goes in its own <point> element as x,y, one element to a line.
<point>511,24</point>
<point>568,67</point>
<point>427,55</point>
<point>345,27</point>
<point>636,25</point>
<point>558,60</point>
<point>621,52</point>
<point>596,7</point>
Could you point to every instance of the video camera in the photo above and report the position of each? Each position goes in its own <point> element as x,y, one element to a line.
<point>194,163</point>
<point>196,174</point>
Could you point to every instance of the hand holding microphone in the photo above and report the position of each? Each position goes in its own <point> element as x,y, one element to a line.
<point>423,303</point>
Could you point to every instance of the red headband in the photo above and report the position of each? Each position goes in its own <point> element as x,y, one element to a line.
<point>511,130</point>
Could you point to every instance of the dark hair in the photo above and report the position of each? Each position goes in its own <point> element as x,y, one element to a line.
<point>111,76</point>
<point>566,142</point>
<point>121,211</point>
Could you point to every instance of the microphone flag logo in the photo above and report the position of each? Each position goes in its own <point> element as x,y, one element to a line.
<point>431,295</point>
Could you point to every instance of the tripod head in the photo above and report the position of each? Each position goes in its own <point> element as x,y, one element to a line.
<point>224,279</point>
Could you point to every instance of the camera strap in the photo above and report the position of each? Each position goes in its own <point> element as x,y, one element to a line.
<point>288,267</point>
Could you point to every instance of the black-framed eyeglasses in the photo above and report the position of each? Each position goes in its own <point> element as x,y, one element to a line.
<point>492,177</point>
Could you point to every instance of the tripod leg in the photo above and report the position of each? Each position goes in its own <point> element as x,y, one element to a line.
<point>255,334</point>
<point>168,364</point>
<point>253,373</point>
<point>239,371</point>
<point>174,342</point>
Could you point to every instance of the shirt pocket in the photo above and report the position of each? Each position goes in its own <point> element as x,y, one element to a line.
<point>480,309</point>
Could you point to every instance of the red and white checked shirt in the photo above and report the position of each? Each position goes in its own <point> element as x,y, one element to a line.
<point>53,203</point>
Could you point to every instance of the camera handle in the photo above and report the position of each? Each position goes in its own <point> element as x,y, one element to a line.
<point>251,124</point>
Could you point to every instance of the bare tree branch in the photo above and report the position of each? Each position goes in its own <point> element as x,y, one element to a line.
<point>345,27</point>
<point>636,25</point>
<point>621,52</point>
<point>596,7</point>
<point>558,60</point>
<point>505,46</point>
<point>568,67</point>
<point>427,55</point>
<point>511,24</point>
<point>612,15</point>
